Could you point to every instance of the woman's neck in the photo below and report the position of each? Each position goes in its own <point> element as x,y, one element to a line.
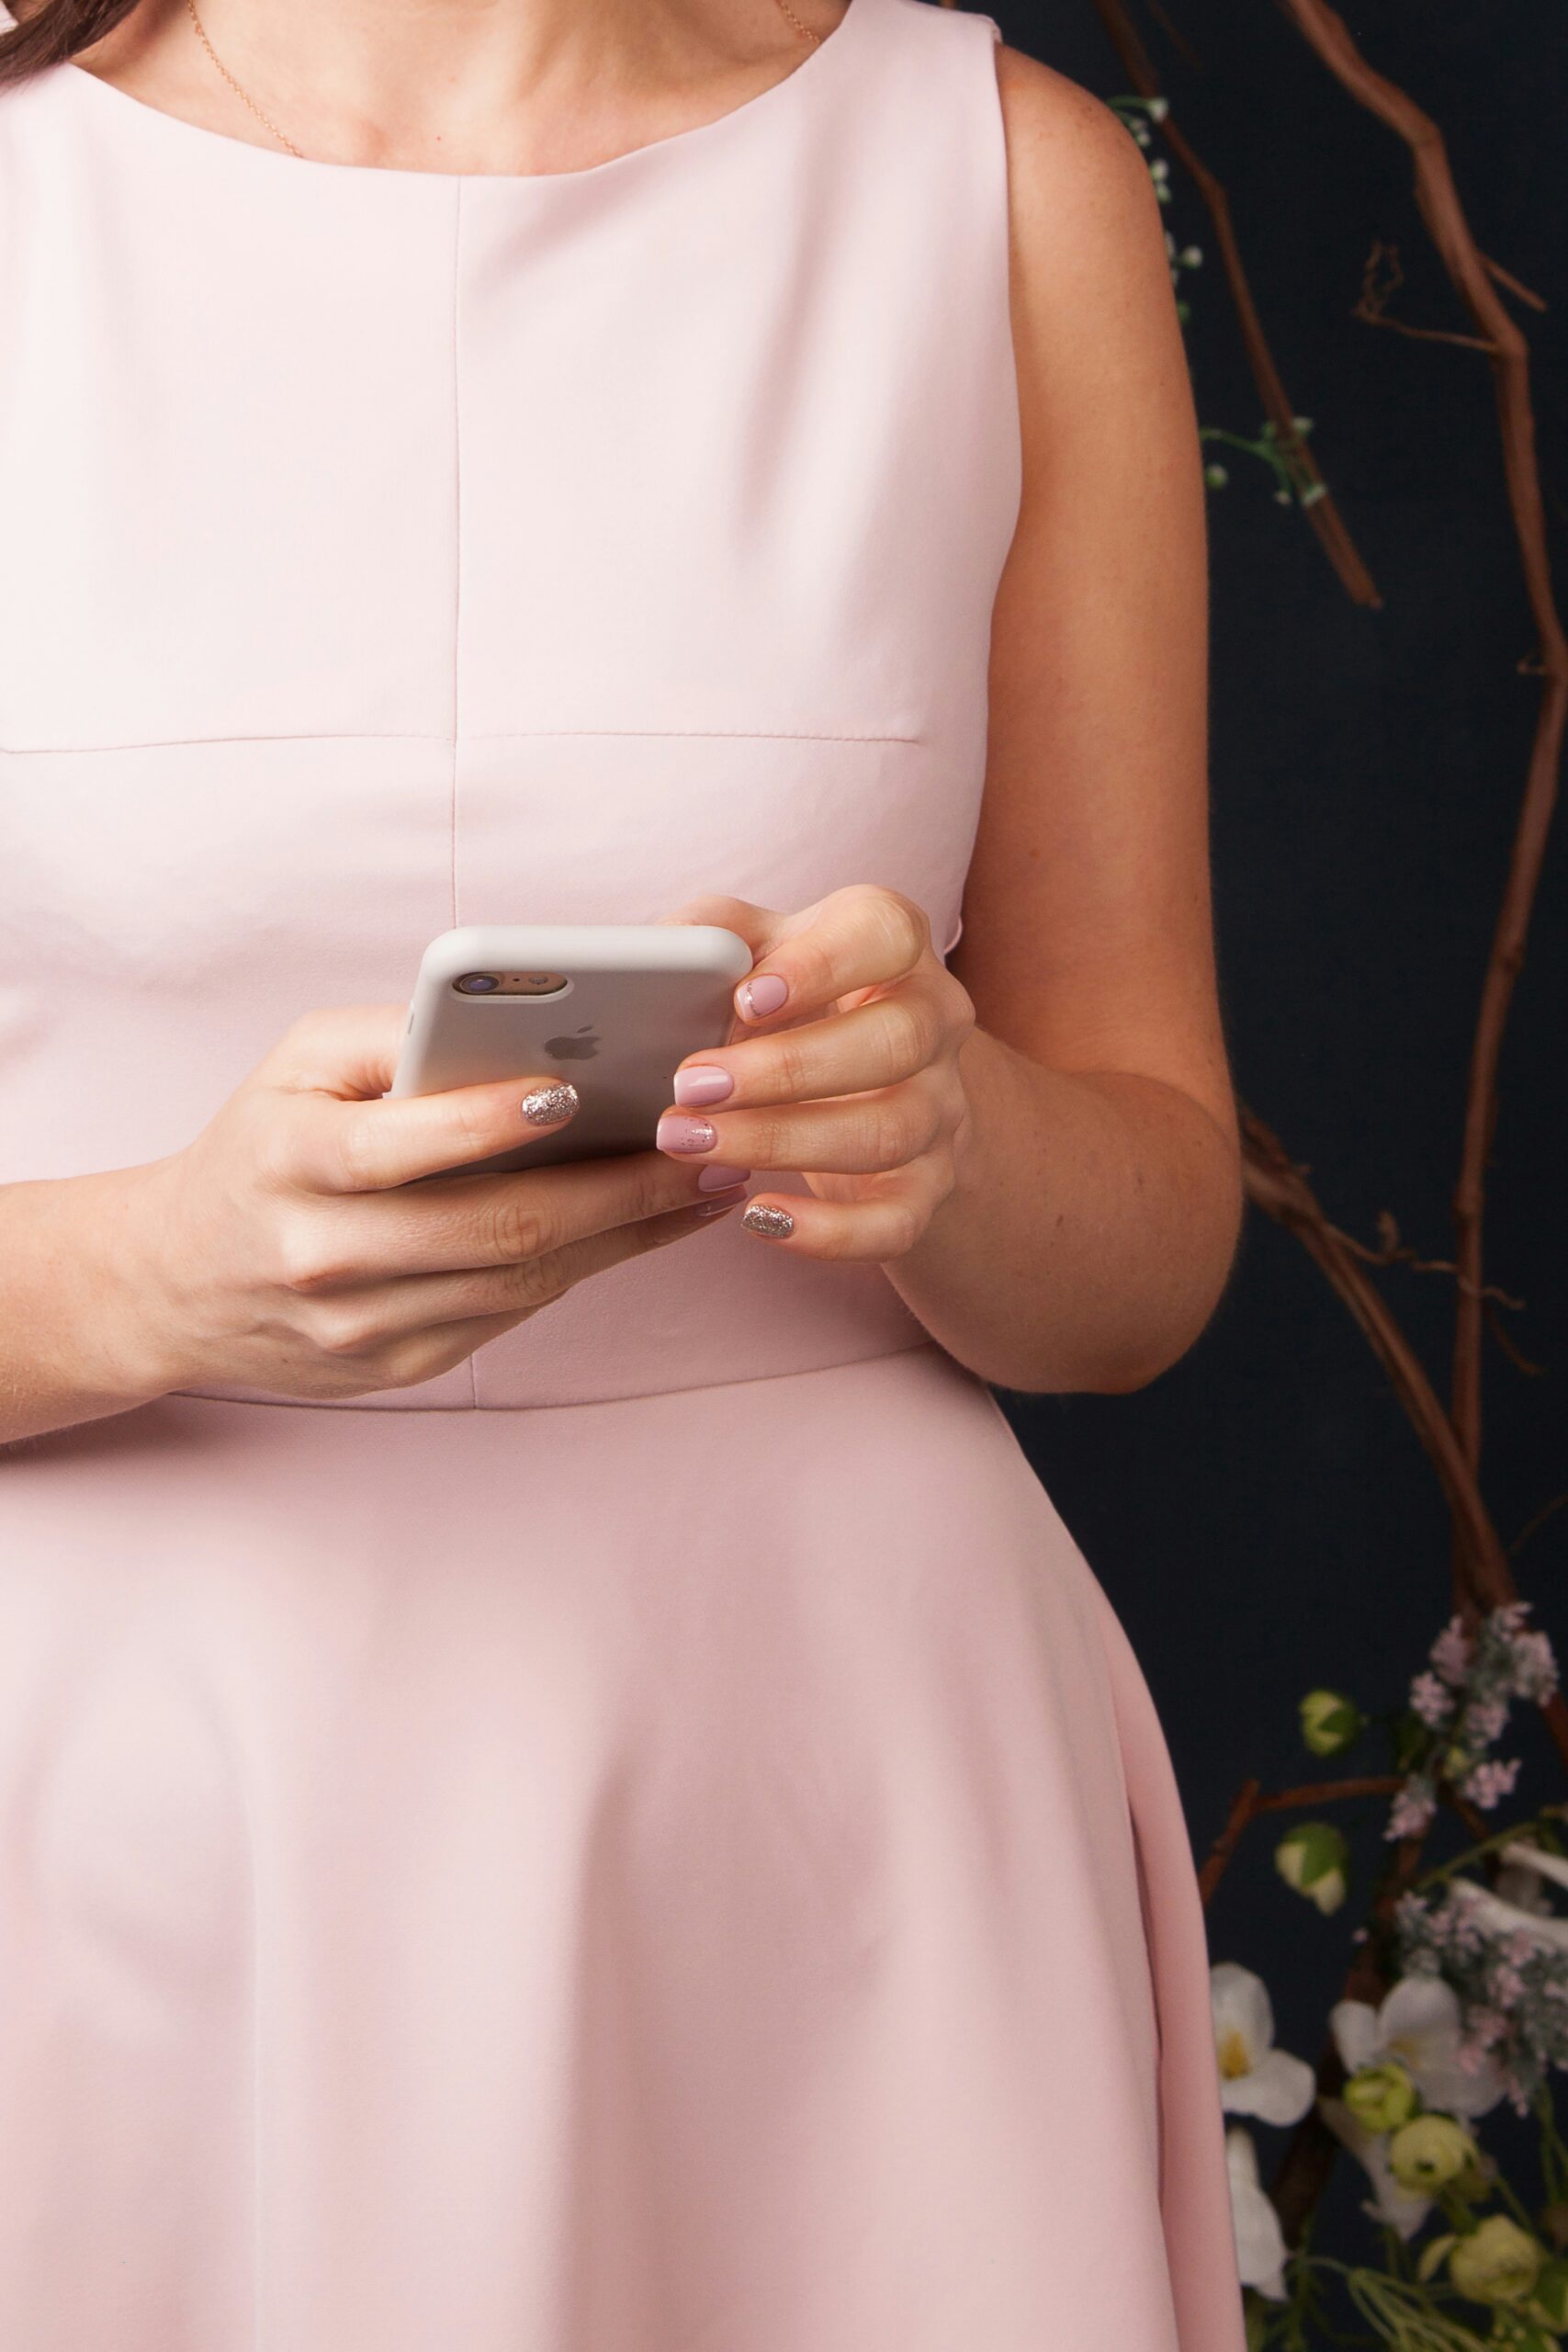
<point>458,86</point>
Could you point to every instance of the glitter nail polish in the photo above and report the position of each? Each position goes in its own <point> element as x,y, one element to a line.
<point>761,1218</point>
<point>547,1106</point>
<point>676,1133</point>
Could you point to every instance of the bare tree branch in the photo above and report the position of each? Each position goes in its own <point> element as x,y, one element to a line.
<point>1321,511</point>
<point>1473,276</point>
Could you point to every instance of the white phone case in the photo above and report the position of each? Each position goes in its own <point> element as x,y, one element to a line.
<point>638,999</point>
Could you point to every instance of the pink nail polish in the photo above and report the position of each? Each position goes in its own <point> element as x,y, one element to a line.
<point>713,1180</point>
<point>704,1082</point>
<point>764,995</point>
<point>677,1134</point>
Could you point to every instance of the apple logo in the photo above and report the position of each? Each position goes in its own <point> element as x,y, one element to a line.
<point>581,1047</point>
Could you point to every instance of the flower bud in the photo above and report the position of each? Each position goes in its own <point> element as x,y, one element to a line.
<point>1429,2152</point>
<point>1382,2097</point>
<point>1314,1859</point>
<point>1498,2263</point>
<point>1330,1722</point>
<point>1551,2296</point>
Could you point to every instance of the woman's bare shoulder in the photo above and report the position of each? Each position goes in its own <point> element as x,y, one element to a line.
<point>1079,184</point>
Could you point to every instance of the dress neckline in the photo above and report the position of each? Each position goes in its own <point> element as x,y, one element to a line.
<point>829,49</point>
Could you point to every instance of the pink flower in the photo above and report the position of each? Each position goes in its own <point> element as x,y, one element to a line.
<point>1431,1700</point>
<point>1486,2027</point>
<point>1450,1652</point>
<point>1491,1782</point>
<point>1484,1720</point>
<point>1412,1810</point>
<point>1535,1668</point>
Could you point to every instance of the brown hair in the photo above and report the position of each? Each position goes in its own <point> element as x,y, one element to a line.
<point>53,31</point>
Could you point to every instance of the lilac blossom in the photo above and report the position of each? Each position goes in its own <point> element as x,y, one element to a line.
<point>1510,1980</point>
<point>1411,1812</point>
<point>1432,1700</point>
<point>1488,1784</point>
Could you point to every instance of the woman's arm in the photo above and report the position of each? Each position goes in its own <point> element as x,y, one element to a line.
<point>1039,1146</point>
<point>1097,1203</point>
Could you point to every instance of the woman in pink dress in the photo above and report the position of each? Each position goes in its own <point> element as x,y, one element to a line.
<point>562,1786</point>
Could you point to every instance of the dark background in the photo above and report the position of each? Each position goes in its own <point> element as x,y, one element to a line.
<point>1262,1517</point>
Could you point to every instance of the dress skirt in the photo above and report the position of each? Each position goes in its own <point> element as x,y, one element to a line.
<point>693,1874</point>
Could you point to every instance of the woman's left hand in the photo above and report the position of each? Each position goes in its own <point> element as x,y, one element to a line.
<point>843,1067</point>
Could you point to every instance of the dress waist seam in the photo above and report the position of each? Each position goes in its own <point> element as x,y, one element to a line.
<point>551,1404</point>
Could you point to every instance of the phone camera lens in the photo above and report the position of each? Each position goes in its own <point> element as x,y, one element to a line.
<point>478,983</point>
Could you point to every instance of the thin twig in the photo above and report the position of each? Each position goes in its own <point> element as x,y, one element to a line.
<point>1531,1526</point>
<point>1250,1802</point>
<point>1505,278</point>
<point>1391,1251</point>
<point>1381,281</point>
<point>1279,1187</point>
<point>1243,1813</point>
<point>1422,334</point>
<point>1321,511</point>
<point>1474,278</point>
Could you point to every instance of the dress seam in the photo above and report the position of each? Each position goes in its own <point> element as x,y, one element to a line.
<point>561,1405</point>
<point>458,587</point>
<point>445,735</point>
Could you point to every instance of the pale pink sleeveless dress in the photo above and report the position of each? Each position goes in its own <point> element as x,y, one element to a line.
<point>653,1842</point>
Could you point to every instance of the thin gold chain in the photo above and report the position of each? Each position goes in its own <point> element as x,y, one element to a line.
<point>284,140</point>
<point>240,92</point>
<point>803,30</point>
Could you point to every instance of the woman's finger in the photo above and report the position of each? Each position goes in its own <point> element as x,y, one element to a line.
<point>374,1316</point>
<point>459,1224</point>
<point>876,1043</point>
<point>861,938</point>
<point>885,1223</point>
<point>365,1147</point>
<point>853,1134</point>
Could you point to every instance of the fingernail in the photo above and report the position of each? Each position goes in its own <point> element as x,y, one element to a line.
<point>547,1106</point>
<point>713,1180</point>
<point>676,1133</point>
<point>764,995</point>
<point>774,1223</point>
<point>704,1082</point>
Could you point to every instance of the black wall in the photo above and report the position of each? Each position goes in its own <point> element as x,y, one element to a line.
<point>1262,1518</point>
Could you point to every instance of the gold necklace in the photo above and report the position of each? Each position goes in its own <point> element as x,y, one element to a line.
<point>267,123</point>
<point>242,95</point>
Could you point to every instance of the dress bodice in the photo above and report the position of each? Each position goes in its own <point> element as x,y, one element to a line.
<point>387,549</point>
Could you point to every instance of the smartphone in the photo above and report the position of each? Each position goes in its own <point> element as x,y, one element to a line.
<point>613,1007</point>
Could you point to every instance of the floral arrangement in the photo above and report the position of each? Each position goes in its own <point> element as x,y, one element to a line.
<point>1458,2007</point>
<point>1454,2010</point>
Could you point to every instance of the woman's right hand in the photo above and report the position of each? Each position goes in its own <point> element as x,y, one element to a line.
<point>284,1247</point>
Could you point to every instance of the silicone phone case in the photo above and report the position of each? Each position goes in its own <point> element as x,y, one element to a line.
<point>639,998</point>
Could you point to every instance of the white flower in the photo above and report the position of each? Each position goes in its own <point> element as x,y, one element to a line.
<point>1522,1856</point>
<point>1520,1882</point>
<point>1402,2209</point>
<point>1255,2077</point>
<point>1419,2026</point>
<point>1500,1918</point>
<point>1259,2240</point>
